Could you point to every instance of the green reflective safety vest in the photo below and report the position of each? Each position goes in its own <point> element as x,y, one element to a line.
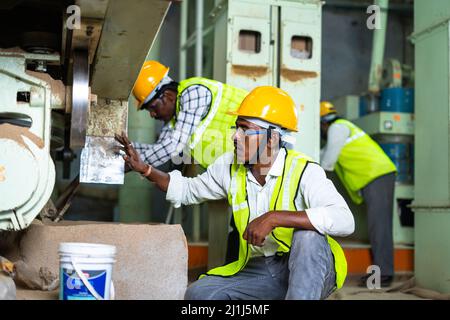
<point>283,198</point>
<point>361,161</point>
<point>213,135</point>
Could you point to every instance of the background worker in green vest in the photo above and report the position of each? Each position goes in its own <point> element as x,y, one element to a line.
<point>368,175</point>
<point>193,112</point>
<point>284,209</point>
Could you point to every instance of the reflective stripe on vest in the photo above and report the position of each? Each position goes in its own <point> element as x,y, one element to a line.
<point>283,198</point>
<point>361,161</point>
<point>212,136</point>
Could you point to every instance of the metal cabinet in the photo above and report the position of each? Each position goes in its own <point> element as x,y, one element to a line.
<point>274,43</point>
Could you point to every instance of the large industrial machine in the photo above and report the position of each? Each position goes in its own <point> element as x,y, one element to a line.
<point>66,71</point>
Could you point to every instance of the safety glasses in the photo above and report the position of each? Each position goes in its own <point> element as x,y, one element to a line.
<point>247,132</point>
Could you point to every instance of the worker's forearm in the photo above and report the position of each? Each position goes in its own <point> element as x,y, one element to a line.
<point>161,179</point>
<point>291,219</point>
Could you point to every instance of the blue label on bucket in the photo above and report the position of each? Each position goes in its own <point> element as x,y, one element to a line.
<point>72,288</point>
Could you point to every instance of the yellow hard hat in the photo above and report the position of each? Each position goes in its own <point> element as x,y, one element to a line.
<point>150,76</point>
<point>270,104</point>
<point>327,108</point>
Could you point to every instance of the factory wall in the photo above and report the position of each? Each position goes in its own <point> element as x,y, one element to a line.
<point>347,47</point>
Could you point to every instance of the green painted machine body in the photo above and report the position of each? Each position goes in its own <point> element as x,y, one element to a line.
<point>431,205</point>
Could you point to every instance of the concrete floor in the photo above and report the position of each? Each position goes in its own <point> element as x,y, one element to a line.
<point>350,291</point>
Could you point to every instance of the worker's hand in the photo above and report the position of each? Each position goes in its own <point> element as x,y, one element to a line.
<point>258,229</point>
<point>117,150</point>
<point>132,159</point>
<point>127,168</point>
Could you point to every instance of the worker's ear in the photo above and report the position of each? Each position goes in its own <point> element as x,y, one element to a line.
<point>171,95</point>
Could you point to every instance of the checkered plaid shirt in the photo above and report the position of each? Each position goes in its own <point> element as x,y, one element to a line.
<point>195,102</point>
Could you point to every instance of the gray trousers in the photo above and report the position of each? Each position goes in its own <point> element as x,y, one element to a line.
<point>379,198</point>
<point>307,272</point>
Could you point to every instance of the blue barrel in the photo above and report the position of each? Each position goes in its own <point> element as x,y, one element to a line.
<point>402,155</point>
<point>397,100</point>
<point>409,100</point>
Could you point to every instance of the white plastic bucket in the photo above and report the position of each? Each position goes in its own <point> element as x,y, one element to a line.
<point>85,271</point>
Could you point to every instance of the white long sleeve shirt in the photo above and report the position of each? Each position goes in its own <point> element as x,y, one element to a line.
<point>324,206</point>
<point>336,137</point>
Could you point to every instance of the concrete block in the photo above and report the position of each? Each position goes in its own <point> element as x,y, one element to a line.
<point>151,260</point>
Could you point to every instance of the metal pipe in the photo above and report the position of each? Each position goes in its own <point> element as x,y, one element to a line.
<point>199,42</point>
<point>379,40</point>
<point>183,37</point>
<point>198,72</point>
<point>192,38</point>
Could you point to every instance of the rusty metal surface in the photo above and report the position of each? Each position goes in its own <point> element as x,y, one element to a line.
<point>16,133</point>
<point>88,36</point>
<point>250,71</point>
<point>297,75</point>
